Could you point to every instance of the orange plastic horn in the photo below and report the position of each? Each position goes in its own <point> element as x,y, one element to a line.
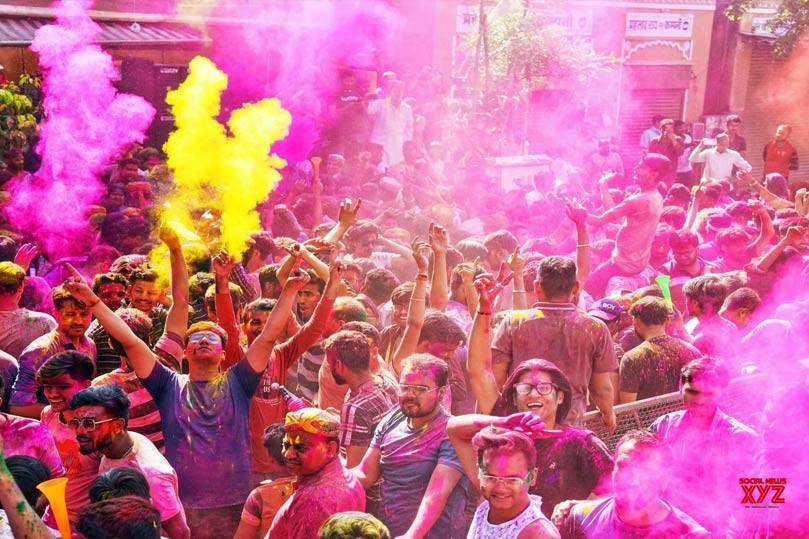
<point>54,491</point>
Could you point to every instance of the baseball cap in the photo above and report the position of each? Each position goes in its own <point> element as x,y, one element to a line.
<point>605,309</point>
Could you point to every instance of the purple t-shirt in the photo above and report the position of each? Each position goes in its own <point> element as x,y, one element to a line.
<point>408,459</point>
<point>205,426</point>
<point>597,518</point>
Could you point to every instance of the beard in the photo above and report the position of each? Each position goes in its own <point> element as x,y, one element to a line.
<point>411,411</point>
<point>339,379</point>
<point>93,448</point>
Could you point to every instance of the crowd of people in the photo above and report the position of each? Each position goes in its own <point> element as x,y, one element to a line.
<point>408,348</point>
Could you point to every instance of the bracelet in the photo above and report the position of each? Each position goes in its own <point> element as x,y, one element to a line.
<point>422,276</point>
<point>485,314</point>
<point>518,291</point>
<point>417,299</point>
<point>91,305</point>
<point>582,245</point>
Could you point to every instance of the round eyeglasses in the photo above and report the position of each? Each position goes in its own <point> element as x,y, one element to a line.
<point>543,388</point>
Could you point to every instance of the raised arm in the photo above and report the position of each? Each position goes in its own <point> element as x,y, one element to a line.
<point>467,271</point>
<point>439,291</point>
<point>519,294</point>
<point>767,230</point>
<point>140,356</point>
<point>461,429</point>
<point>479,356</point>
<point>696,154</point>
<point>259,352</point>
<point>578,215</point>
<point>22,519</point>
<point>769,197</point>
<point>177,318</point>
<point>346,217</point>
<point>794,236</point>
<point>416,309</point>
<point>604,189</point>
<point>222,264</point>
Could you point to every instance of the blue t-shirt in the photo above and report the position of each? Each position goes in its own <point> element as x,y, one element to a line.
<point>205,425</point>
<point>408,458</point>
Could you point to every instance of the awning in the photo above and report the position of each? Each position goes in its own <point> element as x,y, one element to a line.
<point>19,32</point>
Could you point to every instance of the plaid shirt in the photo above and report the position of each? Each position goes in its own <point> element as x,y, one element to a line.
<point>363,410</point>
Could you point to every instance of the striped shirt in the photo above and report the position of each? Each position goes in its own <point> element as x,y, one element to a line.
<point>308,371</point>
<point>144,417</point>
<point>107,359</point>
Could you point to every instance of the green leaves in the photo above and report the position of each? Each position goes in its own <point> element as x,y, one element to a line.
<point>527,54</point>
<point>788,24</point>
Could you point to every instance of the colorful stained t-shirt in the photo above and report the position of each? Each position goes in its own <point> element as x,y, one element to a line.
<point>597,518</point>
<point>81,470</point>
<point>162,478</point>
<point>408,458</point>
<point>19,328</point>
<point>205,426</point>
<point>264,502</point>
<point>317,497</point>
<point>24,436</point>
<point>653,367</point>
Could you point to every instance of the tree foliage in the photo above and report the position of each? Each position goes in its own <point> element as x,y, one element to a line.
<point>788,24</point>
<point>526,54</point>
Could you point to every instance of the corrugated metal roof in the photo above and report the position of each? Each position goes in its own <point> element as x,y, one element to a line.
<point>19,31</point>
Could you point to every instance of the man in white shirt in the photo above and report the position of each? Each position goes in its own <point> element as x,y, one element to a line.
<point>719,161</point>
<point>393,124</point>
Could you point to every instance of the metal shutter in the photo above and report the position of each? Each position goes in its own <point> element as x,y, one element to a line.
<point>637,109</point>
<point>765,108</point>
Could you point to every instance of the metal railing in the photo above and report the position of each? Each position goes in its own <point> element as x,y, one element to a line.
<point>736,402</point>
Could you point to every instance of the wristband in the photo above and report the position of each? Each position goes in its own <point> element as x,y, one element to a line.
<point>91,305</point>
<point>417,299</point>
<point>518,291</point>
<point>485,314</point>
<point>422,277</point>
<point>582,245</point>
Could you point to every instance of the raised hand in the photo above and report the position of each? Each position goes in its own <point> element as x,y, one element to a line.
<point>576,213</point>
<point>347,215</point>
<point>294,250</point>
<point>316,245</point>
<point>438,238</point>
<point>467,271</point>
<point>168,235</point>
<point>525,422</point>
<point>297,280</point>
<point>802,202</point>
<point>25,254</point>
<point>795,235</point>
<point>420,252</point>
<point>336,269</point>
<point>222,264</point>
<point>489,286</point>
<point>516,262</point>
<point>78,287</point>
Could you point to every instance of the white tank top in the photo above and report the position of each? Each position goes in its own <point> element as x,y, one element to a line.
<point>481,529</point>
